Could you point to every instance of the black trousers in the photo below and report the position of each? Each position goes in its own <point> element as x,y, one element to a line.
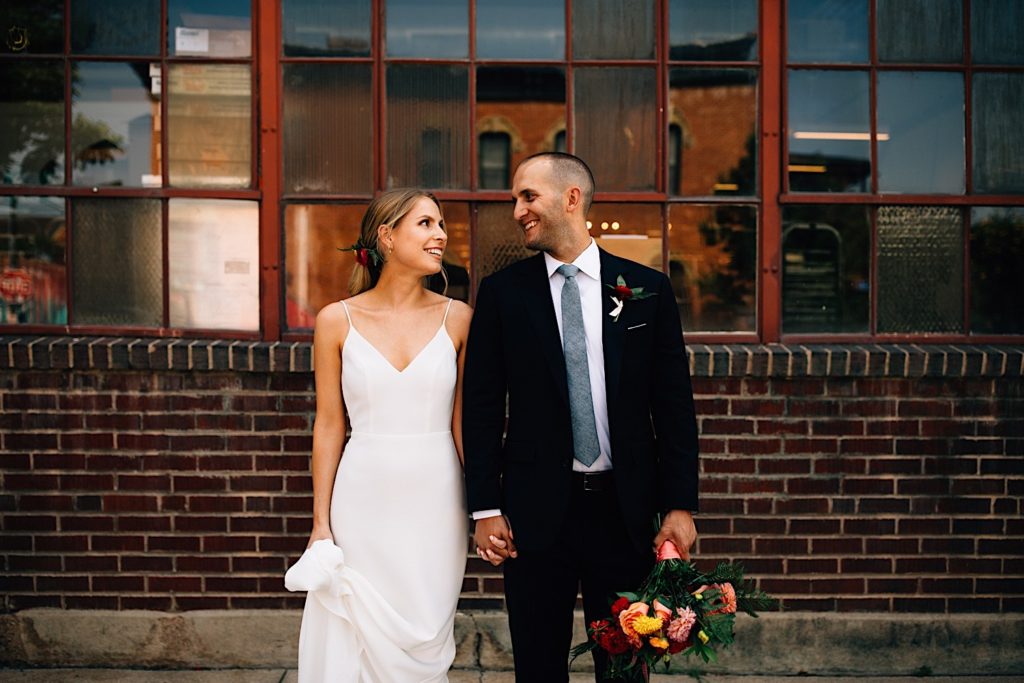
<point>593,552</point>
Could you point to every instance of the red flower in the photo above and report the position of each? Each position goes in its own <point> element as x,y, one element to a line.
<point>675,648</point>
<point>363,257</point>
<point>618,606</point>
<point>613,641</point>
<point>623,292</point>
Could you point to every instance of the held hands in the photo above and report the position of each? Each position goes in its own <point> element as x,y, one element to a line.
<point>679,528</point>
<point>493,538</point>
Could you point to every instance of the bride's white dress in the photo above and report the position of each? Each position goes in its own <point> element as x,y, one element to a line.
<point>398,514</point>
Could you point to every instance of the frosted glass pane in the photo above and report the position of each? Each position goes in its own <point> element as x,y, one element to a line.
<point>209,28</point>
<point>920,31</point>
<point>499,240</point>
<point>33,271</point>
<point>529,29</point>
<point>713,30</point>
<point>313,28</point>
<point>616,125</point>
<point>997,252</point>
<point>117,262</point>
<point>613,29</point>
<point>213,247</point>
<point>115,27</point>
<point>998,100</point>
<point>328,128</point>
<point>996,36</point>
<point>428,126</point>
<point>32,122</point>
<point>827,32</point>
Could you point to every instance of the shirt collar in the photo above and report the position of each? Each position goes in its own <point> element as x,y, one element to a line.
<point>589,262</point>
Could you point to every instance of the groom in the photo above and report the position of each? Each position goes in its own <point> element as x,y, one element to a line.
<point>600,434</point>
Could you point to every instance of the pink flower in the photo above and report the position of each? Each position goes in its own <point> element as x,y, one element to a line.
<point>660,610</point>
<point>679,628</point>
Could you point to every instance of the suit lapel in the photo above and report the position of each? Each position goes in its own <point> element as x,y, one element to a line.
<point>542,313</point>
<point>613,332</point>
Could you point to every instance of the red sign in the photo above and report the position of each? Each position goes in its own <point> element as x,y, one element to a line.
<point>15,286</point>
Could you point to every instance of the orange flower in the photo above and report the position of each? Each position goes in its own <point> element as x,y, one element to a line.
<point>659,643</point>
<point>664,612</point>
<point>628,618</point>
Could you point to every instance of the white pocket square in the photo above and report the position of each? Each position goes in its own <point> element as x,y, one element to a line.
<point>633,327</point>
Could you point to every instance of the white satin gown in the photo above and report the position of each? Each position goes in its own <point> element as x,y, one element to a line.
<point>398,514</point>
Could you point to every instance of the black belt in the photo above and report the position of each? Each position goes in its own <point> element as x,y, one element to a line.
<point>593,481</point>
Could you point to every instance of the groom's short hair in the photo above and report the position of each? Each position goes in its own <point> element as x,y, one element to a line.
<point>569,170</point>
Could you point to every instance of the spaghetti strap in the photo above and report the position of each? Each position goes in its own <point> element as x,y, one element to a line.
<point>347,314</point>
<point>446,309</point>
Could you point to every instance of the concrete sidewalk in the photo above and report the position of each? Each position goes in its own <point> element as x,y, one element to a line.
<point>289,676</point>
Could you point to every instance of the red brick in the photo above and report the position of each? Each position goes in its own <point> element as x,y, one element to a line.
<point>852,486</point>
<point>86,482</point>
<point>168,421</point>
<point>814,527</point>
<point>866,446</point>
<point>87,441</point>
<point>836,546</point>
<point>143,442</point>
<point>869,527</point>
<point>900,427</point>
<point>253,442</point>
<point>191,483</point>
<point>297,443</point>
<point>174,584</point>
<point>802,506</point>
<point>919,605</point>
<point>783,466</point>
<point>815,566</point>
<point>814,407</point>
<point>56,461</point>
<point>781,546</point>
<point>22,401</point>
<point>276,525</point>
<point>727,426</point>
<point>256,483</point>
<point>202,564</point>
<point>177,544</point>
<point>147,563</point>
<point>837,427</point>
<point>230,584</point>
<point>769,427</point>
<point>810,446</point>
<point>30,482</point>
<point>267,403</point>
<point>118,584</point>
<point>121,542</point>
<point>866,565</point>
<point>30,442</point>
<point>920,565</point>
<point>862,605</point>
<point>197,524</point>
<point>892,585</point>
<point>228,544</point>
<point>215,503</point>
<point>196,442</point>
<point>759,407</point>
<point>220,463</point>
<point>724,545</point>
<point>267,565</point>
<point>755,446</point>
<point>224,422</point>
<point>153,523</point>
<point>78,522</point>
<point>895,466</point>
<point>129,503</point>
<point>155,603</point>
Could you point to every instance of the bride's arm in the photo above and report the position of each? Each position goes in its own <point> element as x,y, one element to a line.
<point>329,427</point>
<point>458,328</point>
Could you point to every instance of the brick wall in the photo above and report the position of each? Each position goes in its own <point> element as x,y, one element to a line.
<point>173,475</point>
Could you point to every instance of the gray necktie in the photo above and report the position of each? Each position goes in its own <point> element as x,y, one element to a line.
<point>577,371</point>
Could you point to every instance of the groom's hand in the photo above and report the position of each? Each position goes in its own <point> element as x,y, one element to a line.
<point>679,528</point>
<point>493,538</point>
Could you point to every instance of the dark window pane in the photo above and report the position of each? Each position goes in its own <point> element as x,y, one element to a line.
<point>530,29</point>
<point>920,132</point>
<point>116,124</point>
<point>117,262</point>
<point>920,269</point>
<point>115,27</point>
<point>209,112</point>
<point>997,279</point>
<point>998,100</point>
<point>616,125</point>
<point>428,126</point>
<point>613,29</point>
<point>328,128</point>
<point>209,28</point>
<point>32,122</point>
<point>428,29</point>
<point>495,152</point>
<point>715,111</point>
<point>825,269</point>
<point>996,36</point>
<point>31,27</point>
<point>313,28</point>
<point>33,274</point>
<point>828,32</point>
<point>920,31</point>
<point>632,231</point>
<point>456,254</point>
<point>525,103</point>
<point>213,249</point>
<point>829,131</point>
<point>712,263</point>
<point>714,30</point>
<point>498,240</point>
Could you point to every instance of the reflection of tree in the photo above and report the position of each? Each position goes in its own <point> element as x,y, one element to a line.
<point>997,249</point>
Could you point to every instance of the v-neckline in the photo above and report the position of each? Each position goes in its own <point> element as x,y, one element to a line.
<point>352,328</point>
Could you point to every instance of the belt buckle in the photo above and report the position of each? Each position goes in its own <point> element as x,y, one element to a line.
<point>590,482</point>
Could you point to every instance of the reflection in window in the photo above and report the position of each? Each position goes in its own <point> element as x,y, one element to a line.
<point>712,263</point>
<point>613,29</point>
<point>996,36</point>
<point>116,136</point>
<point>829,131</point>
<point>632,231</point>
<point>997,252</point>
<point>675,157</point>
<point>718,108</point>
<point>32,122</point>
<point>998,165</point>
<point>920,269</point>
<point>33,271</point>
<point>495,151</point>
<point>713,30</point>
<point>528,29</point>
<point>209,28</point>
<point>312,28</point>
<point>827,32</point>
<point>456,254</point>
<point>115,27</point>
<point>920,31</point>
<point>825,269</point>
<point>921,132</point>
<point>428,29</point>
<point>213,247</point>
<point>31,27</point>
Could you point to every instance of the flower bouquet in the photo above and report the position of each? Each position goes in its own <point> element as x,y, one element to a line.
<point>677,610</point>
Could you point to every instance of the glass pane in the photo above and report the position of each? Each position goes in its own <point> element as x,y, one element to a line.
<point>921,132</point>
<point>33,272</point>
<point>828,32</point>
<point>495,155</point>
<point>428,126</point>
<point>328,128</point>
<point>997,252</point>
<point>920,31</point>
<point>115,137</point>
<point>209,28</point>
<point>32,122</point>
<point>825,269</point>
<point>996,36</point>
<point>617,125</point>
<point>920,269</point>
<point>428,29</point>
<point>316,273</point>
<point>529,29</point>
<point>829,131</point>
<point>117,262</point>
<point>712,263</point>
<point>714,112</point>
<point>713,30</point>
<point>32,26</point>
<point>499,240</point>
<point>115,27</point>
<point>456,254</point>
<point>209,118</point>
<point>313,28</point>
<point>631,231</point>
<point>525,103</point>
<point>213,247</point>
<point>613,29</point>
<point>998,100</point>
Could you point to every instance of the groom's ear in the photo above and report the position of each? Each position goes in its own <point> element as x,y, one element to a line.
<point>573,200</point>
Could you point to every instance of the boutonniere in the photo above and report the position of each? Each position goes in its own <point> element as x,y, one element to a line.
<point>624,293</point>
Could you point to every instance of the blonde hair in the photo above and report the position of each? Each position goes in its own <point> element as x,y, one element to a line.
<point>388,208</point>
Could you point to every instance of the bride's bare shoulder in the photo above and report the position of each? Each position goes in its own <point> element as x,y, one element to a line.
<point>332,321</point>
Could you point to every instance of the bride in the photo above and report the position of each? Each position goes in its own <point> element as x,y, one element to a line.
<point>389,518</point>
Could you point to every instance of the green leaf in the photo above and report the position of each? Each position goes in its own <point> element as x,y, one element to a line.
<point>621,281</point>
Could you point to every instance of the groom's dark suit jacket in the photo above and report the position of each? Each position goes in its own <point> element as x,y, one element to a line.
<point>515,350</point>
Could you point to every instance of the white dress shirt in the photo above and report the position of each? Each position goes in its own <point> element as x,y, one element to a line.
<point>589,282</point>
